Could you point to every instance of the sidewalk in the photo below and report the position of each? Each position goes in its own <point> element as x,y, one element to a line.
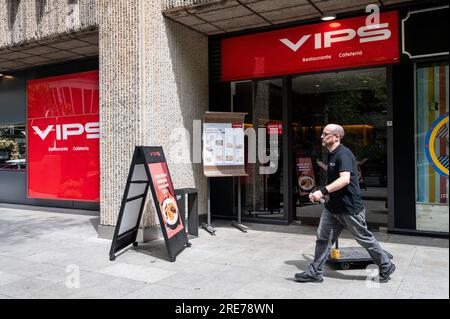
<point>42,252</point>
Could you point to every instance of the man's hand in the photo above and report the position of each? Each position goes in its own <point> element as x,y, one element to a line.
<point>316,196</point>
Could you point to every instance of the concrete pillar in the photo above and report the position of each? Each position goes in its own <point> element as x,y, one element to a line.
<point>153,82</point>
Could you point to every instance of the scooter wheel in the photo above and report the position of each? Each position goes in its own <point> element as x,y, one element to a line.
<point>345,266</point>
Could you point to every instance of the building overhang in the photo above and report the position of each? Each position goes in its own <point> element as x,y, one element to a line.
<point>223,16</point>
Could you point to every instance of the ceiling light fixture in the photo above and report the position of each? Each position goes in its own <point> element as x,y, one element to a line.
<point>328,17</point>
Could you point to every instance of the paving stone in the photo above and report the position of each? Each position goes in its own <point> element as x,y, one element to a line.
<point>232,264</point>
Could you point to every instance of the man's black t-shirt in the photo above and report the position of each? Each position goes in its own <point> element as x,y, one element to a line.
<point>347,200</point>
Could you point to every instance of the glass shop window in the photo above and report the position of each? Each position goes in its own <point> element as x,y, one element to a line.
<point>12,147</point>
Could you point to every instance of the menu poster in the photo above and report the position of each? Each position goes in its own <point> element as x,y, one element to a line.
<point>166,199</point>
<point>169,214</point>
<point>223,144</point>
<point>305,175</point>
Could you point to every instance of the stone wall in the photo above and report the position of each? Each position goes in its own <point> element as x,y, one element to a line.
<point>24,21</point>
<point>178,4</point>
<point>154,79</point>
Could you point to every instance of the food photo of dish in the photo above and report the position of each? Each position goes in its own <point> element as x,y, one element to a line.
<point>169,210</point>
<point>306,183</point>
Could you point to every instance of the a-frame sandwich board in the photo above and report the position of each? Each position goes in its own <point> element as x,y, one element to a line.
<point>148,170</point>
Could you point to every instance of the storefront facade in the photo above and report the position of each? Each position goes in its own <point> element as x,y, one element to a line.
<point>389,91</point>
<point>393,107</point>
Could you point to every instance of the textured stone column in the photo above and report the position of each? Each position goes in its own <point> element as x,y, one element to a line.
<point>23,21</point>
<point>119,100</point>
<point>153,79</point>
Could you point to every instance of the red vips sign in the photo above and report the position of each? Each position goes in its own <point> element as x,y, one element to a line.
<point>63,137</point>
<point>310,48</point>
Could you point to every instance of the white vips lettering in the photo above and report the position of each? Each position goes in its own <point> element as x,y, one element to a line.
<point>366,34</point>
<point>63,131</point>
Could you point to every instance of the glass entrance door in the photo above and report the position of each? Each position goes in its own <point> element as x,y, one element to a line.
<point>356,100</point>
<point>262,190</point>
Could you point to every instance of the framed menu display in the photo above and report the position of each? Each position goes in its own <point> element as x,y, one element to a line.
<point>223,144</point>
<point>149,171</point>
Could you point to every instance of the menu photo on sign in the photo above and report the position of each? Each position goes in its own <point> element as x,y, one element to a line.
<point>223,144</point>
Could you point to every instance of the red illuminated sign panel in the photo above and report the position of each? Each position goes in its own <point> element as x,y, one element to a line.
<point>325,46</point>
<point>63,137</point>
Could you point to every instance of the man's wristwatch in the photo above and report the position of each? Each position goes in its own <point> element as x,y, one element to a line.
<point>324,190</point>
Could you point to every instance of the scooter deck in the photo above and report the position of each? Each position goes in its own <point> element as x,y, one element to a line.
<point>354,255</point>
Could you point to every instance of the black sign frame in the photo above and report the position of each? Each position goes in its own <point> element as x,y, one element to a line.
<point>121,240</point>
<point>423,33</point>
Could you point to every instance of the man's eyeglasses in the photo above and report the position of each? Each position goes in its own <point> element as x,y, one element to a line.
<point>325,134</point>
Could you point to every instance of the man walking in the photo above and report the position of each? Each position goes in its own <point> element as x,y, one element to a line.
<point>344,209</point>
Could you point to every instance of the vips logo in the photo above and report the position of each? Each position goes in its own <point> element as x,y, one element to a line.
<point>345,43</point>
<point>370,33</point>
<point>155,154</point>
<point>92,130</point>
<point>64,137</point>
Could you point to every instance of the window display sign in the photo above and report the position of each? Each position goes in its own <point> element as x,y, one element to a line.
<point>275,128</point>
<point>305,175</point>
<point>223,144</point>
<point>432,151</point>
<point>63,137</point>
<point>149,171</point>
<point>325,46</point>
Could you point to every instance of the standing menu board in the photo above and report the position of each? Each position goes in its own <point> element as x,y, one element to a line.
<point>223,144</point>
<point>149,171</point>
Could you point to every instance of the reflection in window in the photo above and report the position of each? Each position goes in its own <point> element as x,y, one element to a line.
<point>12,147</point>
<point>357,100</point>
<point>262,193</point>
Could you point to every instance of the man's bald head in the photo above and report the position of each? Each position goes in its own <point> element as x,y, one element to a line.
<point>336,129</point>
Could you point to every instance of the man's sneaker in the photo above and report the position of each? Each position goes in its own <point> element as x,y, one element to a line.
<point>384,276</point>
<point>305,277</point>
